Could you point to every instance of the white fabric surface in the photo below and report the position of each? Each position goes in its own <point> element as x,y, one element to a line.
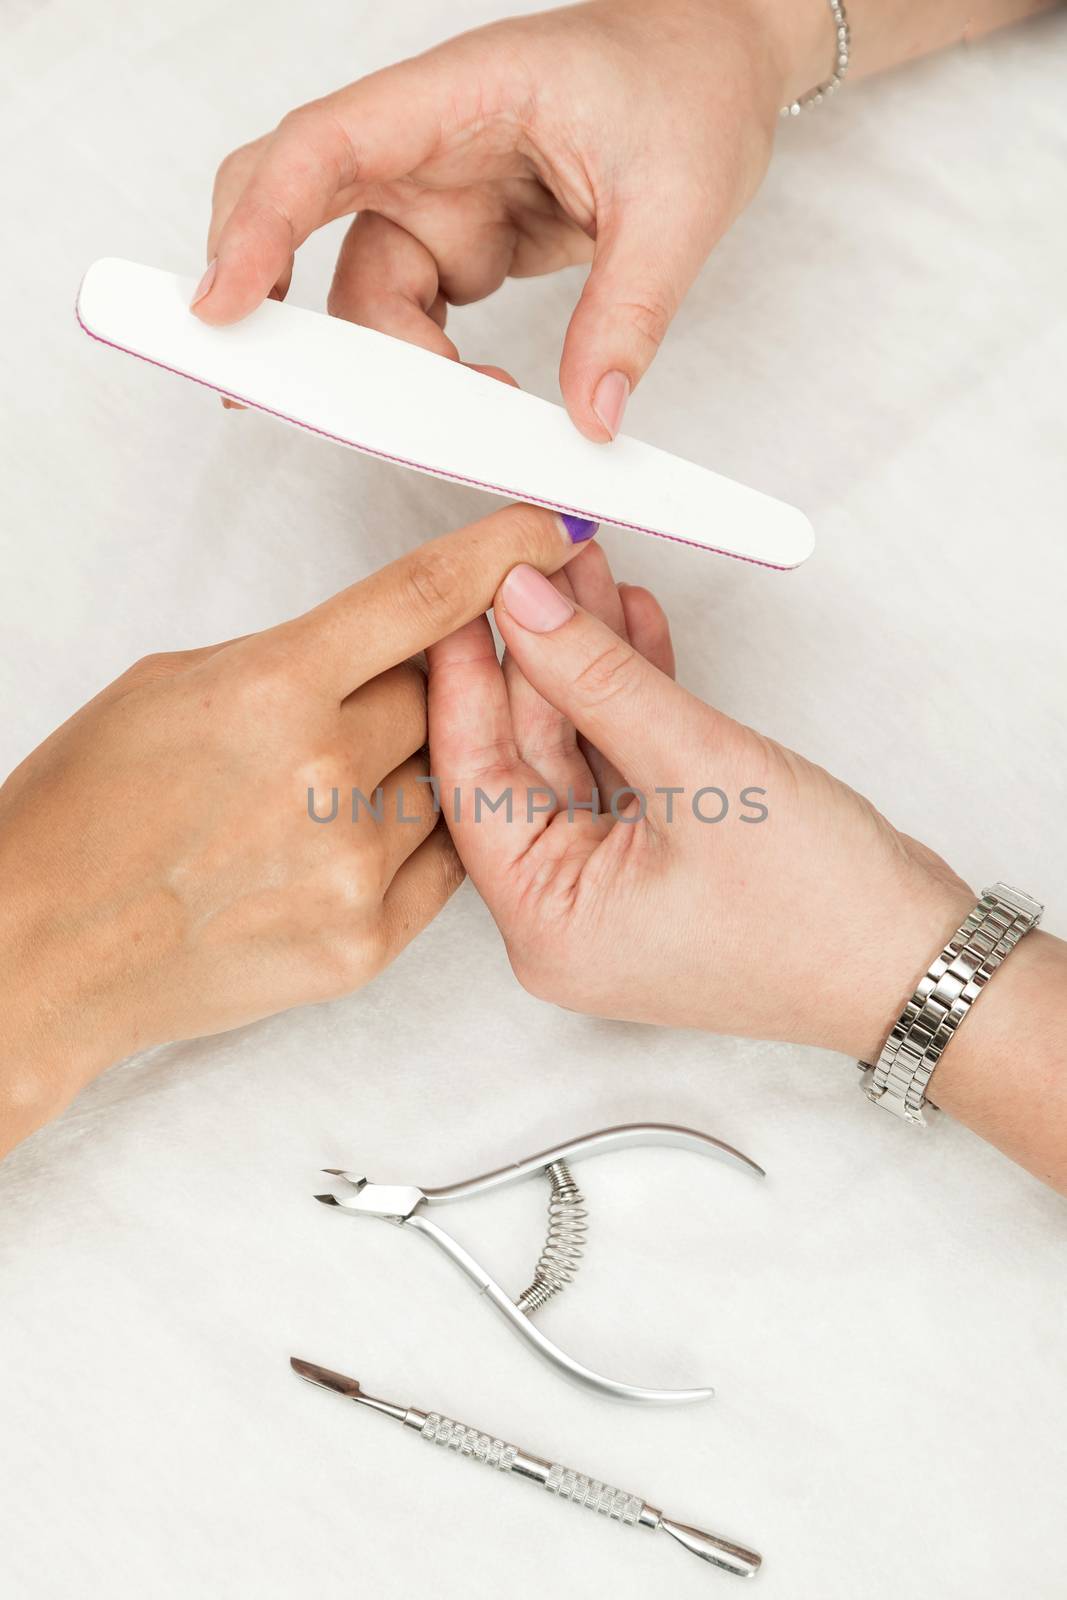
<point>882,341</point>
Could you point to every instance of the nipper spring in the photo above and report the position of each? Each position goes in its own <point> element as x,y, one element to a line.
<point>406,1205</point>
<point>565,1245</point>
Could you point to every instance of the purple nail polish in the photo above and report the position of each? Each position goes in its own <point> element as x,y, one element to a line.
<point>579,529</point>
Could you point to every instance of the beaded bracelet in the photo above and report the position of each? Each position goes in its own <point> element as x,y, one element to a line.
<point>816,96</point>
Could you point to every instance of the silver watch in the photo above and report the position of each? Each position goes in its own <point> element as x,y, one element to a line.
<point>898,1079</point>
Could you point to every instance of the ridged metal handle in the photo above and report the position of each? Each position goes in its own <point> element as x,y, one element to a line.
<point>466,1441</point>
<point>561,1481</point>
<point>613,1503</point>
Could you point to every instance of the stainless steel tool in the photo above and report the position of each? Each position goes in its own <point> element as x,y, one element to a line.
<point>616,1504</point>
<point>406,1205</point>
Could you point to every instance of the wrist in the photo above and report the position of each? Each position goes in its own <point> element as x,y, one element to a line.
<point>888,954</point>
<point>1010,1020</point>
<point>1002,1069</point>
<point>792,41</point>
<point>802,40</point>
<point>53,1041</point>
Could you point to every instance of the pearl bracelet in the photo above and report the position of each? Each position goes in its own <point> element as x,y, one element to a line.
<point>816,96</point>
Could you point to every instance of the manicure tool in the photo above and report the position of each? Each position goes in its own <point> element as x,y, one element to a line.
<point>406,1205</point>
<point>391,399</point>
<point>629,1509</point>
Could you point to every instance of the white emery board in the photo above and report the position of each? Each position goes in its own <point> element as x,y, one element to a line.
<point>404,404</point>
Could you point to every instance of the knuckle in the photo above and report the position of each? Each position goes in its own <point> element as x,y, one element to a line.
<point>317,130</point>
<point>352,883</point>
<point>533,529</point>
<point>231,167</point>
<point>348,958</point>
<point>496,758</point>
<point>263,685</point>
<point>158,664</point>
<point>432,584</point>
<point>299,120</point>
<point>608,676</point>
<point>650,316</point>
<point>319,773</point>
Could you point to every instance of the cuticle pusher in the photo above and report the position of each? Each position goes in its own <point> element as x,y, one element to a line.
<point>566,1484</point>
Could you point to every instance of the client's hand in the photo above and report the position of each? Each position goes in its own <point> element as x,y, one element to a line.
<point>740,889</point>
<point>162,876</point>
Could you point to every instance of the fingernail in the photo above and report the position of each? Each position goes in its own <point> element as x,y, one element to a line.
<point>609,400</point>
<point>204,286</point>
<point>534,602</point>
<point>578,529</point>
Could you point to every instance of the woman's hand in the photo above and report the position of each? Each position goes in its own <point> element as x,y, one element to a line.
<point>162,875</point>
<point>740,889</point>
<point>625,133</point>
<point>746,891</point>
<point>628,133</point>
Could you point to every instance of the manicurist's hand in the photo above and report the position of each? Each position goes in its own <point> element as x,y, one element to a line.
<point>727,884</point>
<point>624,133</point>
<point>731,847</point>
<point>162,876</point>
<point>628,133</point>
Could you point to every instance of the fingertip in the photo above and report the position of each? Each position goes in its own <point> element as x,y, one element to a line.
<point>212,311</point>
<point>580,410</point>
<point>234,285</point>
<point>498,373</point>
<point>648,626</point>
<point>219,309</point>
<point>203,288</point>
<point>609,400</point>
<point>578,530</point>
<point>641,600</point>
<point>214,301</point>
<point>596,374</point>
<point>533,601</point>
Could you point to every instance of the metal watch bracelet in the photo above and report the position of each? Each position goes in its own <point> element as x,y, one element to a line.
<point>898,1080</point>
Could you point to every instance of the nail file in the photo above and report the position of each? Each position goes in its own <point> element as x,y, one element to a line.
<point>404,404</point>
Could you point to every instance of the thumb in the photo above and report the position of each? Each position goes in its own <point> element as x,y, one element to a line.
<point>639,277</point>
<point>633,713</point>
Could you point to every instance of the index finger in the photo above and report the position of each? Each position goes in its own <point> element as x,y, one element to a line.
<point>427,594</point>
<point>312,169</point>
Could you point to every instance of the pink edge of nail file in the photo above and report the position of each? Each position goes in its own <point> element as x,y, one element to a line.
<point>394,400</point>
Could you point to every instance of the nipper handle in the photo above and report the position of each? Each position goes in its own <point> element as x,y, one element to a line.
<point>626,1136</point>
